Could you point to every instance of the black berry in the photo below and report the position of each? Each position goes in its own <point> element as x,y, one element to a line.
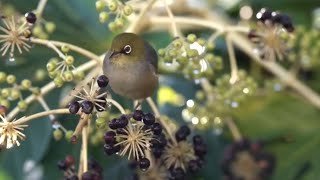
<point>100,106</point>
<point>122,122</point>
<point>69,160</point>
<point>62,165</point>
<point>121,131</point>
<point>200,150</point>
<point>148,119</point>
<point>182,133</point>
<point>87,107</point>
<point>162,140</point>
<point>87,176</point>
<point>197,139</point>
<point>157,152</point>
<point>103,81</point>
<point>74,107</point>
<point>144,164</point>
<point>94,166</point>
<point>178,174</point>
<point>156,128</point>
<point>108,149</point>
<point>193,166</point>
<point>137,115</point>
<point>264,14</point>
<point>31,17</point>
<point>113,124</point>
<point>109,137</point>
<point>74,177</point>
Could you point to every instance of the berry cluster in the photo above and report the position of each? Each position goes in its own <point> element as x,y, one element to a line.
<point>272,34</point>
<point>61,71</point>
<point>119,8</point>
<point>67,166</point>
<point>91,98</point>
<point>132,135</point>
<point>12,91</point>
<point>191,57</point>
<point>41,28</point>
<point>246,160</point>
<point>174,160</point>
<point>211,107</point>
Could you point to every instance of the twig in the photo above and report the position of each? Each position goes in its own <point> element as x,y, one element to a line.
<point>156,112</point>
<point>233,129</point>
<point>232,59</point>
<point>39,115</point>
<point>173,23</point>
<point>85,148</point>
<point>40,7</point>
<point>134,26</point>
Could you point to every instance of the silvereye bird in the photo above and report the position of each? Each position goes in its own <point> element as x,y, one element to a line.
<point>131,66</point>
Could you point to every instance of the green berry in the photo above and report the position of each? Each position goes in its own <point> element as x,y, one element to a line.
<point>3,77</point>
<point>113,5</point>
<point>177,44</point>
<point>51,66</point>
<point>57,134</point>
<point>26,84</point>
<point>68,135</point>
<point>192,38</point>
<point>192,53</point>
<point>119,23</point>
<point>103,17</point>
<point>5,92</point>
<point>53,74</point>
<point>58,81</point>
<point>36,91</point>
<point>172,53</point>
<point>37,30</point>
<point>68,76</point>
<point>101,123</point>
<point>65,48</point>
<point>100,5</point>
<point>79,75</point>
<point>5,103</point>
<point>69,60</point>
<point>40,75</point>
<point>201,41</point>
<point>112,26</point>
<point>104,114</point>
<point>210,46</point>
<point>50,27</point>
<point>11,79</point>
<point>161,52</point>
<point>209,57</point>
<point>22,105</point>
<point>14,94</point>
<point>127,10</point>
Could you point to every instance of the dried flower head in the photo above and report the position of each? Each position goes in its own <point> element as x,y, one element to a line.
<point>272,34</point>
<point>15,30</point>
<point>178,155</point>
<point>91,96</point>
<point>10,133</point>
<point>135,140</point>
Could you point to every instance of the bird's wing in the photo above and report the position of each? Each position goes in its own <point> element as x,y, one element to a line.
<point>152,56</point>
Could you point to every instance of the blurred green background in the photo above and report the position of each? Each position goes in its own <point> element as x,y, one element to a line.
<point>281,114</point>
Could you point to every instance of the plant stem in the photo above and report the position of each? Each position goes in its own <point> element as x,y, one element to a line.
<point>136,23</point>
<point>85,147</point>
<point>156,112</point>
<point>75,48</point>
<point>40,7</point>
<point>173,23</point>
<point>232,59</point>
<point>39,115</point>
<point>233,129</point>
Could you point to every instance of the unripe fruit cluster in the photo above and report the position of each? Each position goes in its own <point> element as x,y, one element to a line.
<point>190,56</point>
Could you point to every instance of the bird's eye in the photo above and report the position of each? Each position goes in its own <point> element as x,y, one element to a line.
<point>127,49</point>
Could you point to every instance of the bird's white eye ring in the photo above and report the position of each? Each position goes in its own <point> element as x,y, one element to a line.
<point>127,49</point>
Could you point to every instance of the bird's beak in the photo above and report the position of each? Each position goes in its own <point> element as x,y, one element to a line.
<point>113,53</point>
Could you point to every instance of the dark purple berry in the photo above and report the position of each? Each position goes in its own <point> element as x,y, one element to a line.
<point>87,176</point>
<point>156,128</point>
<point>276,18</point>
<point>94,166</point>
<point>200,149</point>
<point>264,14</point>
<point>287,23</point>
<point>193,166</point>
<point>62,165</point>
<point>162,140</point>
<point>108,149</point>
<point>197,139</point>
<point>178,174</point>
<point>103,81</point>
<point>157,152</point>
<point>74,107</point>
<point>87,107</point>
<point>154,143</point>
<point>182,133</point>
<point>100,106</point>
<point>116,148</point>
<point>113,124</point>
<point>137,115</point>
<point>144,164</point>
<point>148,119</point>
<point>109,137</point>
<point>121,131</point>
<point>30,17</point>
<point>69,160</point>
<point>122,122</point>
